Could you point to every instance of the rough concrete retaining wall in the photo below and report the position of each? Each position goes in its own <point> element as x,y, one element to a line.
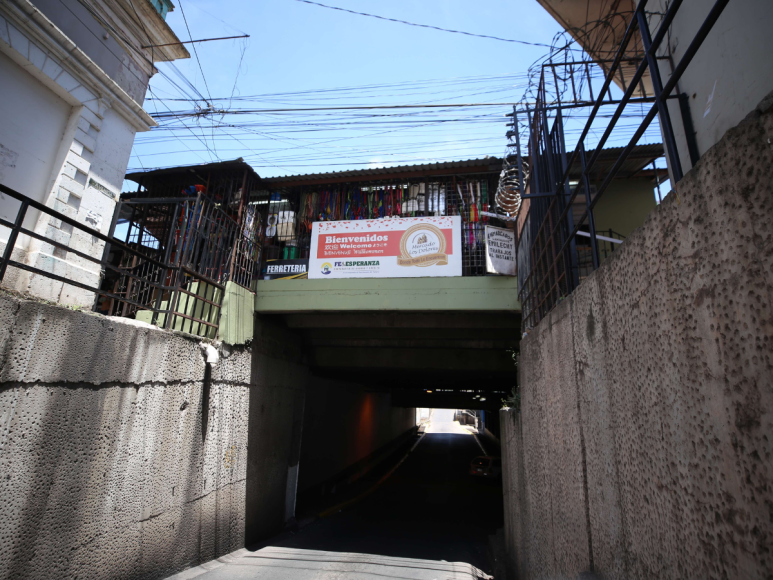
<point>643,447</point>
<point>117,458</point>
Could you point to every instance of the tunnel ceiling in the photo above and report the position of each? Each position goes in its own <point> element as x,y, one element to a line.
<point>458,356</point>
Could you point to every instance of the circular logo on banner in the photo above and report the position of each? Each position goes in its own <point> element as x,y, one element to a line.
<point>423,245</point>
<point>327,268</point>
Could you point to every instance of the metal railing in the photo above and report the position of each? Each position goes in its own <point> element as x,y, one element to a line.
<point>178,278</point>
<point>17,228</point>
<point>197,244</point>
<point>470,196</point>
<point>548,265</point>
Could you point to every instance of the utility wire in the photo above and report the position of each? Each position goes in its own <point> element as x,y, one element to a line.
<point>425,25</point>
<point>195,51</point>
<point>198,60</point>
<point>355,108</point>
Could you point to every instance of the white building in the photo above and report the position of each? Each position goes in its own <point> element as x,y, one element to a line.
<point>728,77</point>
<point>73,76</point>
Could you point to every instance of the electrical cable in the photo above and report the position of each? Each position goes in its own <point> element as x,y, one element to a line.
<point>425,25</point>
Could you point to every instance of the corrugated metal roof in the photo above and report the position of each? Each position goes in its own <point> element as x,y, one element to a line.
<point>220,165</point>
<point>486,164</point>
<point>640,157</point>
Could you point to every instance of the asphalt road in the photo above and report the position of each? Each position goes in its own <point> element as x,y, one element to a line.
<point>428,520</point>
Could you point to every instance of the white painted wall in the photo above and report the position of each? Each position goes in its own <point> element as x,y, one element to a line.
<point>32,125</point>
<point>66,133</point>
<point>736,58</point>
<point>112,150</point>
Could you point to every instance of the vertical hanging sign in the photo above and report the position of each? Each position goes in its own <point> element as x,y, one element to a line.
<point>500,251</point>
<point>387,248</point>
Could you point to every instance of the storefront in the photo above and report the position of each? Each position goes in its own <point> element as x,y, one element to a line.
<point>451,203</point>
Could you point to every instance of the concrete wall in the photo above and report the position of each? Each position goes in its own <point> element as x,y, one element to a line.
<point>121,454</point>
<point>344,424</point>
<point>276,421</point>
<point>643,446</point>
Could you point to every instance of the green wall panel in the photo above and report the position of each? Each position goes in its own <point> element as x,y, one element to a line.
<point>483,293</point>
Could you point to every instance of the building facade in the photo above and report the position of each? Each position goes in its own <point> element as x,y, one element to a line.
<point>74,76</point>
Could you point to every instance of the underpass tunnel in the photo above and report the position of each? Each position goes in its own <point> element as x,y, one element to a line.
<point>395,407</point>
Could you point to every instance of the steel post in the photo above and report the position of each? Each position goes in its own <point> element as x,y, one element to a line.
<point>12,238</point>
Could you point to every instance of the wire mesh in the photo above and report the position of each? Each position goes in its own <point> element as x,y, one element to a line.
<point>290,212</point>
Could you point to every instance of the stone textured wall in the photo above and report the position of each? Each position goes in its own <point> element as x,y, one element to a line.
<point>643,446</point>
<point>121,454</point>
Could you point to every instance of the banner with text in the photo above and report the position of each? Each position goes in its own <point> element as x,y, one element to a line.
<point>500,251</point>
<point>387,248</point>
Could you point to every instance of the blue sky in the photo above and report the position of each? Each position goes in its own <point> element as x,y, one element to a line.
<point>298,47</point>
<point>298,51</point>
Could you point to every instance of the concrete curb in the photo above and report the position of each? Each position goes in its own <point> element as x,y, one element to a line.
<point>211,565</point>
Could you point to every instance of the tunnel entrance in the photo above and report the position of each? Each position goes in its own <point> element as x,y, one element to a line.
<point>367,475</point>
<point>423,503</point>
<point>418,513</point>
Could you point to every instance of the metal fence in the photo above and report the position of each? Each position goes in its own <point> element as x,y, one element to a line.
<point>553,253</point>
<point>290,212</point>
<point>172,268</point>
<point>184,256</point>
<point>134,253</point>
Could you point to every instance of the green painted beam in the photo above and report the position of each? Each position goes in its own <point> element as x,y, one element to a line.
<point>474,293</point>
<point>238,314</point>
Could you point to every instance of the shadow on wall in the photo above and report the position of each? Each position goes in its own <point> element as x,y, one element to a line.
<point>276,406</point>
<point>104,468</point>
<point>346,424</point>
<point>646,429</point>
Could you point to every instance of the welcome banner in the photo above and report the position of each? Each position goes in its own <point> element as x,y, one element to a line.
<point>387,248</point>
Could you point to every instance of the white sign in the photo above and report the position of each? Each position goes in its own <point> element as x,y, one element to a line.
<point>500,251</point>
<point>387,248</point>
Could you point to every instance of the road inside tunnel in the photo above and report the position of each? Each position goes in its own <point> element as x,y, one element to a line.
<point>429,519</point>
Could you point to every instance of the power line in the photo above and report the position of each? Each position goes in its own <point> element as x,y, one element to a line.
<point>425,25</point>
<point>206,86</point>
<point>354,108</point>
<point>194,50</point>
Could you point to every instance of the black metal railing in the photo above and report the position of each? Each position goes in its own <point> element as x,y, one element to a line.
<point>549,266</point>
<point>129,273</point>
<point>196,242</point>
<point>172,266</point>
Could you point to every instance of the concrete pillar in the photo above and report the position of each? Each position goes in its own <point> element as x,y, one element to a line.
<point>277,396</point>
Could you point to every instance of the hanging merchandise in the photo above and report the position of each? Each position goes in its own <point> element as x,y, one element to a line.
<point>307,213</point>
<point>271,221</point>
<point>348,204</point>
<point>439,195</point>
<point>412,206</point>
<point>286,225</point>
<point>434,204</point>
<point>193,190</point>
<point>359,204</point>
<point>461,198</point>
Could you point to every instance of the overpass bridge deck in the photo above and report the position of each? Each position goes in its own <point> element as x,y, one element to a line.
<point>474,293</point>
